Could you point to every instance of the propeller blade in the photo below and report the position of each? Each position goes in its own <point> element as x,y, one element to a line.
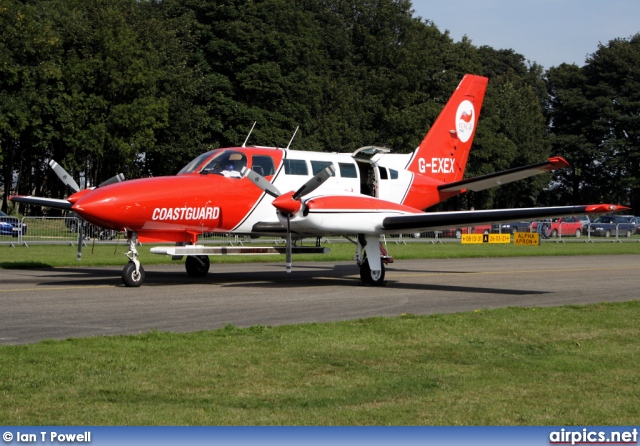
<point>64,176</point>
<point>261,182</point>
<point>116,179</point>
<point>314,182</point>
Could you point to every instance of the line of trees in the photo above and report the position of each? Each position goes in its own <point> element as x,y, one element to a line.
<point>143,86</point>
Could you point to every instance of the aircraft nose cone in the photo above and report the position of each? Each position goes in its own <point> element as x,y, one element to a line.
<point>98,209</point>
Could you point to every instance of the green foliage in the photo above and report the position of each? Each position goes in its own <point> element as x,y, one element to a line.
<point>595,113</point>
<point>141,87</point>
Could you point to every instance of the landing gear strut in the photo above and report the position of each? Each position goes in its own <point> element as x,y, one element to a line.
<point>368,258</point>
<point>372,277</point>
<point>133,273</point>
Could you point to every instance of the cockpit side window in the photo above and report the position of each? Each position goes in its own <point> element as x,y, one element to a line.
<point>262,165</point>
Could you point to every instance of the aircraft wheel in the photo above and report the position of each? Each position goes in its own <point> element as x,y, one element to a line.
<point>197,266</point>
<point>129,276</point>
<point>375,278</point>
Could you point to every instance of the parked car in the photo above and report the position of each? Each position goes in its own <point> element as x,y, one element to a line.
<point>636,223</point>
<point>457,232</point>
<point>606,225</point>
<point>563,226</point>
<point>586,221</point>
<point>11,225</point>
<point>511,227</point>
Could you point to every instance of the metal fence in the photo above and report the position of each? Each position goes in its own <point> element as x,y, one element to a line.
<point>73,231</point>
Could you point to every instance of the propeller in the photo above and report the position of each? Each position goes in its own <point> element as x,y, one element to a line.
<point>289,203</point>
<point>64,176</point>
<point>68,179</point>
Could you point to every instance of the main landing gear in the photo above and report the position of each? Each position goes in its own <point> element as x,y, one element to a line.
<point>197,266</point>
<point>371,258</point>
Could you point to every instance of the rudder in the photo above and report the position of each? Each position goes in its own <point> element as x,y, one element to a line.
<point>442,154</point>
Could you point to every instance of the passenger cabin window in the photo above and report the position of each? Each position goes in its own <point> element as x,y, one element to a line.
<point>383,173</point>
<point>262,165</point>
<point>318,166</point>
<point>393,174</point>
<point>295,167</point>
<point>348,170</point>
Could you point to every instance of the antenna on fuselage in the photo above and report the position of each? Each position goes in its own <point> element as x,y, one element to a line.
<point>291,140</point>
<point>244,144</point>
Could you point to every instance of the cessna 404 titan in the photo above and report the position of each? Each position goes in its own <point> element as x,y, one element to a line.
<point>289,193</point>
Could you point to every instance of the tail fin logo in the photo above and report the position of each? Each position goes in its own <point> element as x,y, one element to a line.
<point>465,120</point>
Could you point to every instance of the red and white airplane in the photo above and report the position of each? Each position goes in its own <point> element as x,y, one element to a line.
<point>267,190</point>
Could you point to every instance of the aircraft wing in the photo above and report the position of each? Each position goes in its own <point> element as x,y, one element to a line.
<point>39,201</point>
<point>447,220</point>
<point>506,176</point>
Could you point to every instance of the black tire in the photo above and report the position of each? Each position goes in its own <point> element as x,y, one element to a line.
<point>197,266</point>
<point>129,276</point>
<point>458,234</point>
<point>367,276</point>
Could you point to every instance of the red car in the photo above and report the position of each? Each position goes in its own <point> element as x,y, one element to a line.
<point>562,226</point>
<point>457,232</point>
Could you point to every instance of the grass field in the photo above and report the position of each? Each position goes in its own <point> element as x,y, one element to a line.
<point>514,366</point>
<point>575,365</point>
<point>113,254</point>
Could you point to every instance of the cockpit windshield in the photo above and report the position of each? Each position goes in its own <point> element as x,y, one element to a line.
<point>228,163</point>
<point>194,165</point>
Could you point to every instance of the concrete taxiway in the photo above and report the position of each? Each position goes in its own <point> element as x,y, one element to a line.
<point>61,303</point>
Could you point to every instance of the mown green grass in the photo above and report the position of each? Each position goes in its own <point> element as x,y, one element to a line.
<point>515,366</point>
<point>113,254</point>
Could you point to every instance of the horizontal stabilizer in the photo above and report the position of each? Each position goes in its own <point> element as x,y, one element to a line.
<point>506,176</point>
<point>447,220</point>
<point>39,201</point>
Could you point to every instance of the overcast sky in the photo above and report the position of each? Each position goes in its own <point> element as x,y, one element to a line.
<point>548,32</point>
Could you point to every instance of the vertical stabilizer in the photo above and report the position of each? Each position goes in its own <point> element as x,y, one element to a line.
<point>443,153</point>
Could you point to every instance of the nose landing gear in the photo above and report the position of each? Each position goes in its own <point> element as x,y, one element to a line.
<point>133,272</point>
